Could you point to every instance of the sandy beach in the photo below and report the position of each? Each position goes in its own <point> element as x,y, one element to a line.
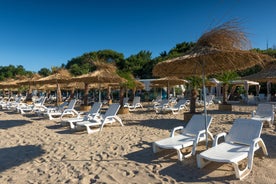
<point>37,150</point>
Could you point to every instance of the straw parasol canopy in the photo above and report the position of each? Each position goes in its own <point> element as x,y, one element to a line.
<point>267,74</point>
<point>59,76</point>
<point>171,81</point>
<point>9,83</point>
<point>30,80</point>
<point>105,73</point>
<point>167,82</point>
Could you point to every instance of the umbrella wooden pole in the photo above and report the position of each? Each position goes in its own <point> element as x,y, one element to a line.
<point>204,97</point>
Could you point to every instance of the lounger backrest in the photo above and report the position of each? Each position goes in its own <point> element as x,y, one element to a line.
<point>136,100</point>
<point>112,110</point>
<point>72,104</point>
<point>197,123</point>
<point>42,100</point>
<point>95,108</point>
<point>264,109</point>
<point>163,102</point>
<point>180,102</point>
<point>243,131</point>
<point>125,100</point>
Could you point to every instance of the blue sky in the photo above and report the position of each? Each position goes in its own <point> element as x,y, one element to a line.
<point>46,33</point>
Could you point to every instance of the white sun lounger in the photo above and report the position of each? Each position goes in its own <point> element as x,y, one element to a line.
<point>109,117</point>
<point>264,112</point>
<point>240,143</point>
<point>60,113</point>
<point>135,104</point>
<point>92,114</point>
<point>191,135</point>
<point>179,106</point>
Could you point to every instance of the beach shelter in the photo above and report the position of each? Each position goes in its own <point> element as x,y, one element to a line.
<point>168,82</point>
<point>267,74</point>
<point>59,76</point>
<point>224,48</point>
<point>245,84</point>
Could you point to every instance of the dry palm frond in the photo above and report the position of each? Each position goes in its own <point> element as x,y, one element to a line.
<point>267,74</point>
<point>228,36</point>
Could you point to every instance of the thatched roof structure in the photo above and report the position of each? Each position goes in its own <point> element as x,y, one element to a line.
<point>225,48</point>
<point>30,80</point>
<point>267,74</point>
<point>168,81</point>
<point>105,73</point>
<point>9,83</point>
<point>60,76</point>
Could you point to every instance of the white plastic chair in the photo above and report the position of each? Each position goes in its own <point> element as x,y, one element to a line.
<point>135,104</point>
<point>264,112</point>
<point>180,105</point>
<point>240,143</point>
<point>109,117</point>
<point>191,135</point>
<point>53,114</point>
<point>92,114</point>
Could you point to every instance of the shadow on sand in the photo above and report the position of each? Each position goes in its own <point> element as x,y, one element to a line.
<point>15,156</point>
<point>185,171</point>
<point>166,124</point>
<point>6,124</point>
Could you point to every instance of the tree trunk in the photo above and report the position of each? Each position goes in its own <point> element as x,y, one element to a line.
<point>122,96</point>
<point>194,94</point>
<point>85,95</point>
<point>225,91</point>
<point>59,96</point>
<point>72,93</point>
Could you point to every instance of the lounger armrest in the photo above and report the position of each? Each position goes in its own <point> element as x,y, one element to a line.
<point>175,129</point>
<point>253,113</point>
<point>217,137</point>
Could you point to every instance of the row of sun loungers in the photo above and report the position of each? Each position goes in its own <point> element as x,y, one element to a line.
<point>240,143</point>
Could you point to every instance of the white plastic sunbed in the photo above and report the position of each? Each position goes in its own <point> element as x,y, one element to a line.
<point>240,143</point>
<point>92,114</point>
<point>109,117</point>
<point>191,135</point>
<point>264,112</point>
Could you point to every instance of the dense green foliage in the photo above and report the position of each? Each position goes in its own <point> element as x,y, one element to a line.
<point>140,65</point>
<point>12,71</point>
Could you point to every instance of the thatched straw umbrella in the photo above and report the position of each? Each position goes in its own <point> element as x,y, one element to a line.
<point>30,81</point>
<point>10,84</point>
<point>224,48</point>
<point>59,76</point>
<point>168,82</point>
<point>105,73</point>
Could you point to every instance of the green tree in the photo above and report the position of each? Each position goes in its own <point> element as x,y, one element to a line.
<point>226,78</point>
<point>136,63</point>
<point>44,72</point>
<point>194,85</point>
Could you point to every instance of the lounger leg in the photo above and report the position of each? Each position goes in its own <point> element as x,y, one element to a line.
<point>240,174</point>
<point>262,145</point>
<point>119,120</point>
<point>90,131</point>
<point>72,126</point>
<point>155,148</point>
<point>201,162</point>
<point>179,154</point>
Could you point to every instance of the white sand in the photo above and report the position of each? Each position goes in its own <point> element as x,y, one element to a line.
<point>34,150</point>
